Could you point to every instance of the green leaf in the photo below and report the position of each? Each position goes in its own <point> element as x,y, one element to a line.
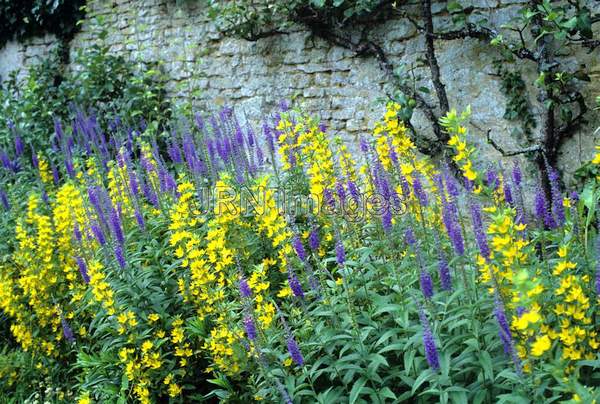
<point>357,390</point>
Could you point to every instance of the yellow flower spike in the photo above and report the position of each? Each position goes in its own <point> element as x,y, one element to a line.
<point>541,345</point>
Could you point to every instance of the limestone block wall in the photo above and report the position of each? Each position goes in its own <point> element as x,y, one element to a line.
<point>329,81</point>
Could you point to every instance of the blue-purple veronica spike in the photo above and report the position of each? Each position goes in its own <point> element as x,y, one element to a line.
<point>340,253</point>
<point>431,352</point>
<point>505,333</point>
<point>83,269</point>
<point>115,223</point>
<point>299,247</point>
<point>480,236</point>
<point>295,285</point>
<point>294,351</point>
<point>250,327</point>
<point>557,202</point>
<point>119,255</point>
<point>4,200</point>
<point>313,239</point>
<point>245,290</point>
<point>98,234</point>
<point>67,331</point>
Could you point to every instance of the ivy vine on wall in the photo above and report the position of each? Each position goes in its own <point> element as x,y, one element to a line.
<point>26,18</point>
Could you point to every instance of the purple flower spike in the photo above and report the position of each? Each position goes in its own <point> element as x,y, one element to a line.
<point>77,233</point>
<point>557,203</point>
<point>508,197</point>
<point>431,352</point>
<point>19,146</point>
<point>98,234</point>
<point>115,221</point>
<point>294,351</point>
<point>83,269</point>
<point>250,328</point>
<point>119,255</point>
<point>245,290</point>
<point>139,217</point>
<point>426,283</point>
<point>313,239</point>
<point>479,231</point>
<point>420,192</point>
<point>517,175</point>
<point>295,285</point>
<point>492,180</point>
<point>354,192</point>
<point>340,253</point>
<point>34,159</point>
<point>300,251</point>
<point>505,334</point>
<point>4,200</point>
<point>67,331</point>
<point>409,237</point>
<point>386,218</point>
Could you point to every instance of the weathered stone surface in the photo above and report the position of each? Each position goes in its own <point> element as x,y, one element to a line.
<point>329,81</point>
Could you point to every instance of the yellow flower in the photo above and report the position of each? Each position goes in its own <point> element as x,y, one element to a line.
<point>541,345</point>
<point>84,399</point>
<point>153,317</point>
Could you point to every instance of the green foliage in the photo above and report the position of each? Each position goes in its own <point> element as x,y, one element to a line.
<point>517,103</point>
<point>252,19</point>
<point>26,18</point>
<point>108,84</point>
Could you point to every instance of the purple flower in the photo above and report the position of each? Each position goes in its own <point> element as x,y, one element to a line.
<point>341,192</point>
<point>34,159</point>
<point>340,253</point>
<point>4,200</point>
<point>516,174</point>
<point>508,197</point>
<point>55,173</point>
<point>386,218</point>
<point>409,237</point>
<point>268,133</point>
<point>443,268</point>
<point>294,351</point>
<point>19,146</point>
<point>120,256</point>
<point>300,251</point>
<point>492,180</point>
<point>505,334</point>
<point>431,352</point>
<point>354,192</point>
<point>115,222</point>
<point>541,209</point>
<point>133,184</point>
<point>139,217</point>
<point>451,186</point>
<point>67,331</point>
<point>420,192</point>
<point>364,146</point>
<point>574,196</point>
<point>478,229</point>
<point>245,290</point>
<point>313,239</point>
<point>98,234</point>
<point>83,269</point>
<point>328,198</point>
<point>426,283</point>
<point>250,328</point>
<point>77,233</point>
<point>295,284</point>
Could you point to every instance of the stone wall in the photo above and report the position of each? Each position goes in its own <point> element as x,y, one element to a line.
<point>346,91</point>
